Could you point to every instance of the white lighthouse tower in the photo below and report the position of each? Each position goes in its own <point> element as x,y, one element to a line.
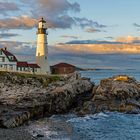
<point>42,48</point>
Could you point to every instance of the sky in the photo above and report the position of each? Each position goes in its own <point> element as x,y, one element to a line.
<point>86,33</point>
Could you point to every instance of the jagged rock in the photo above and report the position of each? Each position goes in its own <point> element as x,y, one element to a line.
<point>87,108</point>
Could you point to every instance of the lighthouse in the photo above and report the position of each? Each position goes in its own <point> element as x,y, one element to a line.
<point>42,48</point>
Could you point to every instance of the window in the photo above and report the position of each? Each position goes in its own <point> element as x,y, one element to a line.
<point>35,69</point>
<point>3,59</point>
<point>11,67</point>
<point>5,66</point>
<point>26,69</point>
<point>0,59</point>
<point>11,57</point>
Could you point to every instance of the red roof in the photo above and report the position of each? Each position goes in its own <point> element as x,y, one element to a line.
<point>63,65</point>
<point>7,53</point>
<point>31,65</point>
<point>22,64</point>
<point>25,64</point>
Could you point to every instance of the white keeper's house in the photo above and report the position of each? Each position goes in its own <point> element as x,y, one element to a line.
<point>9,62</point>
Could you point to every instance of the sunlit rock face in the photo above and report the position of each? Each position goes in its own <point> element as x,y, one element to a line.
<point>119,93</point>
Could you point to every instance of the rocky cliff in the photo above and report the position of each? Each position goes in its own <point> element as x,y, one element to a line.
<point>23,97</point>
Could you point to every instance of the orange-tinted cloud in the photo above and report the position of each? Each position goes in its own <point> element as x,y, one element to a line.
<point>100,48</point>
<point>23,22</point>
<point>128,39</point>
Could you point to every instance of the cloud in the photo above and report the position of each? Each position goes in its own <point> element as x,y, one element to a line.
<point>70,36</point>
<point>109,37</point>
<point>6,7</point>
<point>8,35</point>
<point>92,30</point>
<point>23,22</point>
<point>125,45</point>
<point>57,13</point>
<point>81,56</point>
<point>22,50</point>
<point>99,48</point>
<point>19,47</point>
<point>119,40</point>
<point>136,25</point>
<point>93,42</point>
<point>128,39</point>
<point>53,7</point>
<point>84,22</point>
<point>63,22</point>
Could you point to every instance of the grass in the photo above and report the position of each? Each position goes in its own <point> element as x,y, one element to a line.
<point>51,79</point>
<point>44,79</point>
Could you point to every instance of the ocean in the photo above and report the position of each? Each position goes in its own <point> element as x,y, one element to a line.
<point>101,126</point>
<point>97,75</point>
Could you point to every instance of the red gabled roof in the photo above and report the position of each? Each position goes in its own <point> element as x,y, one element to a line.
<point>26,64</point>
<point>7,53</point>
<point>63,65</point>
<point>22,64</point>
<point>33,65</point>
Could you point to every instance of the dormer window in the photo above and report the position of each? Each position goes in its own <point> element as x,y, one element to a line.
<point>11,57</point>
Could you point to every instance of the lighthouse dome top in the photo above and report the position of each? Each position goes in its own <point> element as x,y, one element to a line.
<point>42,24</point>
<point>42,20</point>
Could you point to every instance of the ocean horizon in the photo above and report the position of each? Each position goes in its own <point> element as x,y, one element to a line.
<point>97,75</point>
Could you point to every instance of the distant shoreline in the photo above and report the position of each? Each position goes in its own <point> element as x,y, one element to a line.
<point>98,69</point>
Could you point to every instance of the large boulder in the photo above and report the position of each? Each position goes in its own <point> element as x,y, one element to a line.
<point>119,93</point>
